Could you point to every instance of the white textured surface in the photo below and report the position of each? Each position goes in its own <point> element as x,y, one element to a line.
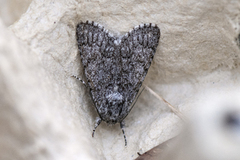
<point>35,122</point>
<point>197,38</point>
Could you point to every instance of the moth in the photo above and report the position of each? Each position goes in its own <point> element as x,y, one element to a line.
<point>115,67</point>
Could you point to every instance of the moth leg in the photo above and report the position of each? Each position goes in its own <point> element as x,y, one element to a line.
<point>79,80</point>
<point>97,123</point>
<point>122,125</point>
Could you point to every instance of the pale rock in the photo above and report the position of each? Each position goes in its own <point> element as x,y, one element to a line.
<point>197,51</point>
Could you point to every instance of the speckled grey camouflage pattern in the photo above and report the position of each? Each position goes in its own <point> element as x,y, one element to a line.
<point>115,67</point>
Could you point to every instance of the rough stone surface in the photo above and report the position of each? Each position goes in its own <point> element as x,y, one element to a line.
<point>35,123</point>
<point>197,50</point>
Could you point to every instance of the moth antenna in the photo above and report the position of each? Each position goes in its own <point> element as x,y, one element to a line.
<point>80,80</point>
<point>97,123</point>
<point>122,125</point>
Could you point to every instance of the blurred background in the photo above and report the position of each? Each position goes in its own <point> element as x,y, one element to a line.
<point>11,10</point>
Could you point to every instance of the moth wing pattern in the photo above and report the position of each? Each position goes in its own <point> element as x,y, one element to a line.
<point>115,67</point>
<point>137,51</point>
<point>102,67</point>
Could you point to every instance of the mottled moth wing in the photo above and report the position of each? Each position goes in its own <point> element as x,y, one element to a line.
<point>115,67</point>
<point>137,50</point>
<point>102,65</point>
